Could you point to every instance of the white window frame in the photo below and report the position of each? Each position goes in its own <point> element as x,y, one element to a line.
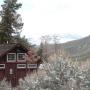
<point>3,66</point>
<point>31,66</point>
<point>21,60</point>
<point>11,60</point>
<point>18,66</point>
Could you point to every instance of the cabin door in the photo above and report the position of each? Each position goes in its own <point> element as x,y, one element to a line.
<point>11,73</point>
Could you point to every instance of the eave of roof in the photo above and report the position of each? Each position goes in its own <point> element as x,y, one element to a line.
<point>5,48</point>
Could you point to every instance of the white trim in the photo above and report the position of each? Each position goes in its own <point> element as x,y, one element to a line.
<point>11,60</point>
<point>19,67</point>
<point>32,66</point>
<point>3,66</point>
<point>21,60</point>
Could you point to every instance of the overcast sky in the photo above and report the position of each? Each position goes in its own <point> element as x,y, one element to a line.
<point>48,17</point>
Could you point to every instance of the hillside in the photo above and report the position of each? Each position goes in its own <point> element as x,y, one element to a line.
<point>78,48</point>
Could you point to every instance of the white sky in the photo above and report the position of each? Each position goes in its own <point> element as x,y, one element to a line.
<point>43,17</point>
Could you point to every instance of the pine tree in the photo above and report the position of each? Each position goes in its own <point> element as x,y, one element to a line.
<point>40,50</point>
<point>11,22</point>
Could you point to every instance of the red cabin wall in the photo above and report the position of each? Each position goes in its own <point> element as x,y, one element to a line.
<point>17,73</point>
<point>21,73</point>
<point>2,74</point>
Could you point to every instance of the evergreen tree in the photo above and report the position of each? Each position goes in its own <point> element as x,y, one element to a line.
<point>11,22</point>
<point>23,40</point>
<point>40,50</point>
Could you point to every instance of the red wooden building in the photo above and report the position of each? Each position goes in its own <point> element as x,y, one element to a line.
<point>14,64</point>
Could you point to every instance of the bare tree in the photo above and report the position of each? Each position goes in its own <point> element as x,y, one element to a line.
<point>56,42</point>
<point>45,40</point>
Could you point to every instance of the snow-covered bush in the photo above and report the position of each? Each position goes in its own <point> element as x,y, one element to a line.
<point>86,81</point>
<point>60,75</point>
<point>4,85</point>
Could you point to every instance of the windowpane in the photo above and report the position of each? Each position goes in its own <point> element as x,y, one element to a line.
<point>2,65</point>
<point>11,71</point>
<point>21,65</point>
<point>21,56</point>
<point>32,65</point>
<point>12,56</point>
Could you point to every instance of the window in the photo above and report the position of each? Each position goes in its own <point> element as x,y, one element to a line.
<point>11,57</point>
<point>2,66</point>
<point>21,57</point>
<point>32,65</point>
<point>11,71</point>
<point>21,66</point>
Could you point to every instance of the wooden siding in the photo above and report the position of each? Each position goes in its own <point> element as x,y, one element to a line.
<point>16,73</point>
<point>2,74</point>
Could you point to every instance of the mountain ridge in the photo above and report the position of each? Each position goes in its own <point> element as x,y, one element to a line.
<point>78,48</point>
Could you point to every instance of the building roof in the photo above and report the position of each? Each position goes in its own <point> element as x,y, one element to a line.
<point>4,48</point>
